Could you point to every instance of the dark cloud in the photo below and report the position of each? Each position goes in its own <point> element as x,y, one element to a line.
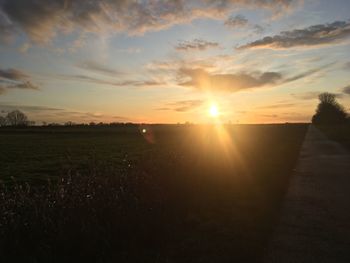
<point>98,68</point>
<point>346,90</point>
<point>15,79</point>
<point>12,74</point>
<point>316,35</point>
<point>237,21</point>
<point>41,20</point>
<point>196,44</point>
<point>183,105</point>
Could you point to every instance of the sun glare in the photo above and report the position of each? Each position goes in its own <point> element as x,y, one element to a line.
<point>213,111</point>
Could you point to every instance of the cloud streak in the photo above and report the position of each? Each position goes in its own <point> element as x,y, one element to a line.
<point>183,105</point>
<point>110,82</point>
<point>15,79</point>
<point>277,106</point>
<point>313,36</point>
<point>98,68</point>
<point>346,90</point>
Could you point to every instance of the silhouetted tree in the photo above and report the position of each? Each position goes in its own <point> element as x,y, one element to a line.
<point>2,121</point>
<point>329,111</point>
<point>69,123</point>
<point>17,118</point>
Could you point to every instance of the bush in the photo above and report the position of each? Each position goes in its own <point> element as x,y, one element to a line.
<point>329,111</point>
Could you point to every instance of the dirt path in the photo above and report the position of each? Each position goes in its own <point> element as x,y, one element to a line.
<point>315,221</point>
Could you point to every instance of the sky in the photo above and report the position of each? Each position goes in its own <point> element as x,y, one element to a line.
<point>258,61</point>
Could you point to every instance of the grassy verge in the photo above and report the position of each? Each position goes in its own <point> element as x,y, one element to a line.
<point>339,133</point>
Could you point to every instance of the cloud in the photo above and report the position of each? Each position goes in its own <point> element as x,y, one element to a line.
<point>313,36</point>
<point>346,90</point>
<point>277,106</point>
<point>258,29</point>
<point>12,74</point>
<point>278,7</point>
<point>98,68</point>
<point>203,80</point>
<point>110,82</point>
<point>237,21</point>
<point>5,107</point>
<point>241,22</point>
<point>15,79</point>
<point>347,65</point>
<point>196,44</point>
<point>2,90</point>
<point>307,73</point>
<point>306,95</point>
<point>43,20</point>
<point>183,105</point>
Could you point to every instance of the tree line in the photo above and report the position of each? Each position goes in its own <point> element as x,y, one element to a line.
<point>15,118</point>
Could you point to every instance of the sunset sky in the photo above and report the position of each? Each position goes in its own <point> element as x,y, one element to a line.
<point>169,61</point>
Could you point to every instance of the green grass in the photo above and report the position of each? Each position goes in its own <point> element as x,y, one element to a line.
<point>40,153</point>
<point>176,194</point>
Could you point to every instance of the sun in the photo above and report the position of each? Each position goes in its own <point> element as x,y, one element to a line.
<point>213,111</point>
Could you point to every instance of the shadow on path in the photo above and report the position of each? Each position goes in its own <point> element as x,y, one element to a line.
<point>315,220</point>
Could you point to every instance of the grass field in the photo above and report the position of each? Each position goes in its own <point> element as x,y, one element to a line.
<point>170,194</point>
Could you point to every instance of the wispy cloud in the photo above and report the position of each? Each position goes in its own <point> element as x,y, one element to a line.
<point>202,79</point>
<point>182,106</point>
<point>43,20</point>
<point>99,68</point>
<point>27,108</point>
<point>313,36</point>
<point>241,22</point>
<point>110,82</point>
<point>196,44</point>
<point>306,95</point>
<point>277,106</point>
<point>15,79</point>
